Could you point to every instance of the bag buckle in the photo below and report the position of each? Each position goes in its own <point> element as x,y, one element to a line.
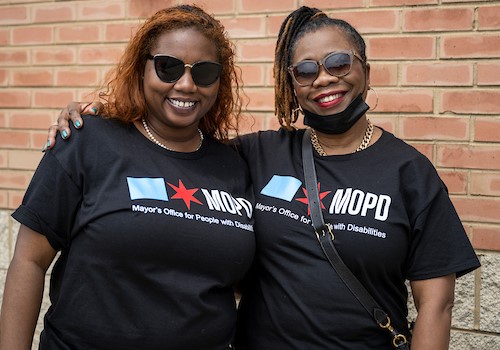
<point>398,339</point>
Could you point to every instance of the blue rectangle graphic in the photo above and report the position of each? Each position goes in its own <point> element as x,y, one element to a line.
<point>147,188</point>
<point>282,187</point>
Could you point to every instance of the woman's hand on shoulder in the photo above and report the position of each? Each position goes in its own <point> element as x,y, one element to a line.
<point>73,112</point>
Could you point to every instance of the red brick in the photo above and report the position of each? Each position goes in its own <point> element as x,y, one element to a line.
<point>39,139</point>
<point>245,27</point>
<point>14,15</point>
<point>32,35</point>
<point>260,99</point>
<point>488,73</point>
<point>85,33</point>
<point>24,160</point>
<point>486,184</point>
<point>470,101</point>
<point>15,198</point>
<point>54,13</point>
<point>14,98</point>
<point>487,130</point>
<point>100,54</point>
<point>473,46</point>
<point>469,156</point>
<point>54,56</point>
<point>85,95</point>
<point>274,24</point>
<point>101,10</point>
<point>52,98</point>
<point>387,21</point>
<point>455,180</point>
<point>402,2</point>
<point>3,119</point>
<point>397,48</point>
<point>253,74</point>
<point>31,77</point>
<point>255,50</point>
<point>437,74</point>
<point>14,139</point>
<point>4,77</point>
<point>31,119</point>
<point>14,179</point>
<point>488,17</point>
<point>266,6</point>
<point>213,7</point>
<point>329,5</point>
<point>432,19</point>
<point>432,128</point>
<point>269,74</point>
<point>486,238</point>
<point>119,31</point>
<point>383,74</point>
<point>3,159</point>
<point>77,76</point>
<point>478,209</point>
<point>142,9</point>
<point>18,57</point>
<point>401,101</point>
<point>5,37</point>
<point>251,122</point>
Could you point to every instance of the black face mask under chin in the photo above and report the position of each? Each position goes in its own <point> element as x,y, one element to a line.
<point>337,123</point>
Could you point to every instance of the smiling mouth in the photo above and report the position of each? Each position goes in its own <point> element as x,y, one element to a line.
<point>181,104</point>
<point>329,98</point>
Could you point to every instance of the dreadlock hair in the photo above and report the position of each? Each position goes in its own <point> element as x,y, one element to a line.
<point>123,92</point>
<point>298,23</point>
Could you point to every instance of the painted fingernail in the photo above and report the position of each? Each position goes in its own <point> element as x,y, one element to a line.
<point>64,134</point>
<point>43,149</point>
<point>48,144</point>
<point>94,109</point>
<point>78,124</point>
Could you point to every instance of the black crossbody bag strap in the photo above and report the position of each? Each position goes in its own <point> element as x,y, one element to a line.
<point>324,233</point>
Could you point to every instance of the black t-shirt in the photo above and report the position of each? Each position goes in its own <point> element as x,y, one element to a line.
<point>151,240</point>
<point>393,221</point>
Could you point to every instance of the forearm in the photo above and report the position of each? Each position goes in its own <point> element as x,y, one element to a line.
<point>434,302</point>
<point>21,305</point>
<point>432,329</point>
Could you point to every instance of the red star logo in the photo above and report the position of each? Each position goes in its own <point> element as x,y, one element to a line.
<point>321,196</point>
<point>183,193</point>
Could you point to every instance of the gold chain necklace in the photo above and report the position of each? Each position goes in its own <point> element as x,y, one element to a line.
<point>152,138</point>
<point>364,143</point>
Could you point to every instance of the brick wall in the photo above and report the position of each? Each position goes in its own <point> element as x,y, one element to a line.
<point>435,67</point>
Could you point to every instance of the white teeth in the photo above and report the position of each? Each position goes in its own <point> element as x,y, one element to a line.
<point>182,104</point>
<point>329,98</point>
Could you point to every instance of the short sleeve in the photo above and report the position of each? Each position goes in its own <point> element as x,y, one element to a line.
<point>439,245</point>
<point>50,203</point>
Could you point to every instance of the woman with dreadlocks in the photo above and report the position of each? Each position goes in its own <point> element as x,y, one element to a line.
<point>389,213</point>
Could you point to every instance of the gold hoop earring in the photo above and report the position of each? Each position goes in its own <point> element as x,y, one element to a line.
<point>376,101</point>
<point>298,110</point>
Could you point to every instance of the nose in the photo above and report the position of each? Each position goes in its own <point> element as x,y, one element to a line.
<point>186,82</point>
<point>324,78</point>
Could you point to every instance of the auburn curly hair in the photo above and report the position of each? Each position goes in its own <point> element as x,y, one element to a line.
<point>123,93</point>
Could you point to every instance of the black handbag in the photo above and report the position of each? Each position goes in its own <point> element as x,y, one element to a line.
<point>325,236</point>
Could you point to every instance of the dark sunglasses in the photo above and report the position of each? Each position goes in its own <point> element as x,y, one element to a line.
<point>170,69</point>
<point>337,63</point>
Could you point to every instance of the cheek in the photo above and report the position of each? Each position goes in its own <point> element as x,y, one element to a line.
<point>211,94</point>
<point>301,93</point>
